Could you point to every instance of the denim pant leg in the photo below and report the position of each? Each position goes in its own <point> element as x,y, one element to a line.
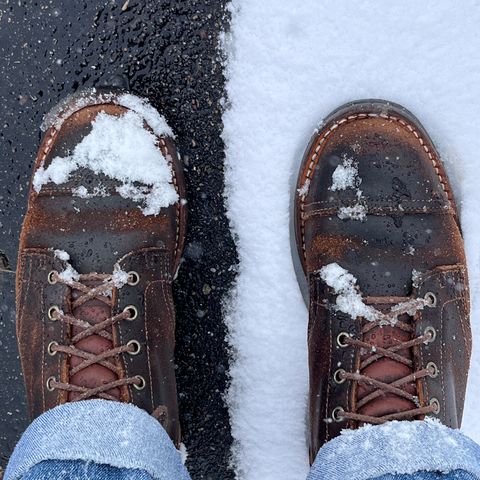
<point>96,437</point>
<point>80,470</point>
<point>423,450</point>
<point>454,475</point>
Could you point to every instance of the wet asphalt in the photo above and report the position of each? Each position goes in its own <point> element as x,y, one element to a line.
<point>167,51</point>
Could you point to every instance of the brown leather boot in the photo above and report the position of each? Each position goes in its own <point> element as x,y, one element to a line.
<point>380,260</point>
<point>98,253</point>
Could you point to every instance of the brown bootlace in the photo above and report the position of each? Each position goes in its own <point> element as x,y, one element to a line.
<point>381,388</point>
<point>101,293</point>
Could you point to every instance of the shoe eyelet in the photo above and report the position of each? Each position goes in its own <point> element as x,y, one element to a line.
<point>133,278</point>
<point>432,367</point>
<point>48,383</point>
<point>136,345</point>
<point>432,332</point>
<point>339,339</point>
<point>430,299</point>
<point>132,311</point>
<point>50,350</point>
<point>142,383</point>
<point>436,404</point>
<point>52,277</point>
<point>339,377</point>
<point>52,313</point>
<point>336,414</point>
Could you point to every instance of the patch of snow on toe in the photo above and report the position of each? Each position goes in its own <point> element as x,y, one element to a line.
<point>142,108</point>
<point>354,212</point>
<point>82,192</point>
<point>345,175</point>
<point>152,197</point>
<point>69,105</point>
<point>121,148</point>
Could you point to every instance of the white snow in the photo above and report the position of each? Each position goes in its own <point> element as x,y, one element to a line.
<point>61,255</point>
<point>348,299</point>
<point>121,148</point>
<point>119,276</point>
<point>410,307</point>
<point>142,108</point>
<point>304,188</point>
<point>290,64</point>
<point>353,212</point>
<point>152,197</point>
<point>345,175</point>
<point>183,453</point>
<point>139,105</point>
<point>416,277</point>
<point>69,275</point>
<point>82,192</point>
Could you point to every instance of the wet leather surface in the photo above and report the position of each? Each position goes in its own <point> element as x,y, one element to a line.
<point>410,226</point>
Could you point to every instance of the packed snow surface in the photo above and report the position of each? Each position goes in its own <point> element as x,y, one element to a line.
<point>121,148</point>
<point>289,65</point>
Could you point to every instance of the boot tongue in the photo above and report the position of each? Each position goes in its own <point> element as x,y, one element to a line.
<point>385,369</point>
<point>93,311</point>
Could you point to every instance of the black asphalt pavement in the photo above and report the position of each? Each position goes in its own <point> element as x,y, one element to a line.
<point>167,50</point>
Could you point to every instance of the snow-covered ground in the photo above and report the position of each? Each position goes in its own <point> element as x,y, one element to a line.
<point>290,64</point>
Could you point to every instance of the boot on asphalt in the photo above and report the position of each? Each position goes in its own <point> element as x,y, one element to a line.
<point>100,246</point>
<point>380,260</point>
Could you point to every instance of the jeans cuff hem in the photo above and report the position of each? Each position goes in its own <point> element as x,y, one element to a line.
<point>100,431</point>
<point>396,448</point>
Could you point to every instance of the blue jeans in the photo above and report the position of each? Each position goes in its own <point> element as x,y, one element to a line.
<point>98,439</point>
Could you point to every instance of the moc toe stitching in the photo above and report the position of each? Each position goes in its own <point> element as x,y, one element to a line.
<point>351,118</point>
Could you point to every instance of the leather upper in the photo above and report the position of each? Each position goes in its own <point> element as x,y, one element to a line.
<point>100,233</point>
<point>408,244</point>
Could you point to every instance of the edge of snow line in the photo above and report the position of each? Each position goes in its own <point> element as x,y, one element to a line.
<point>225,51</point>
<point>257,410</point>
